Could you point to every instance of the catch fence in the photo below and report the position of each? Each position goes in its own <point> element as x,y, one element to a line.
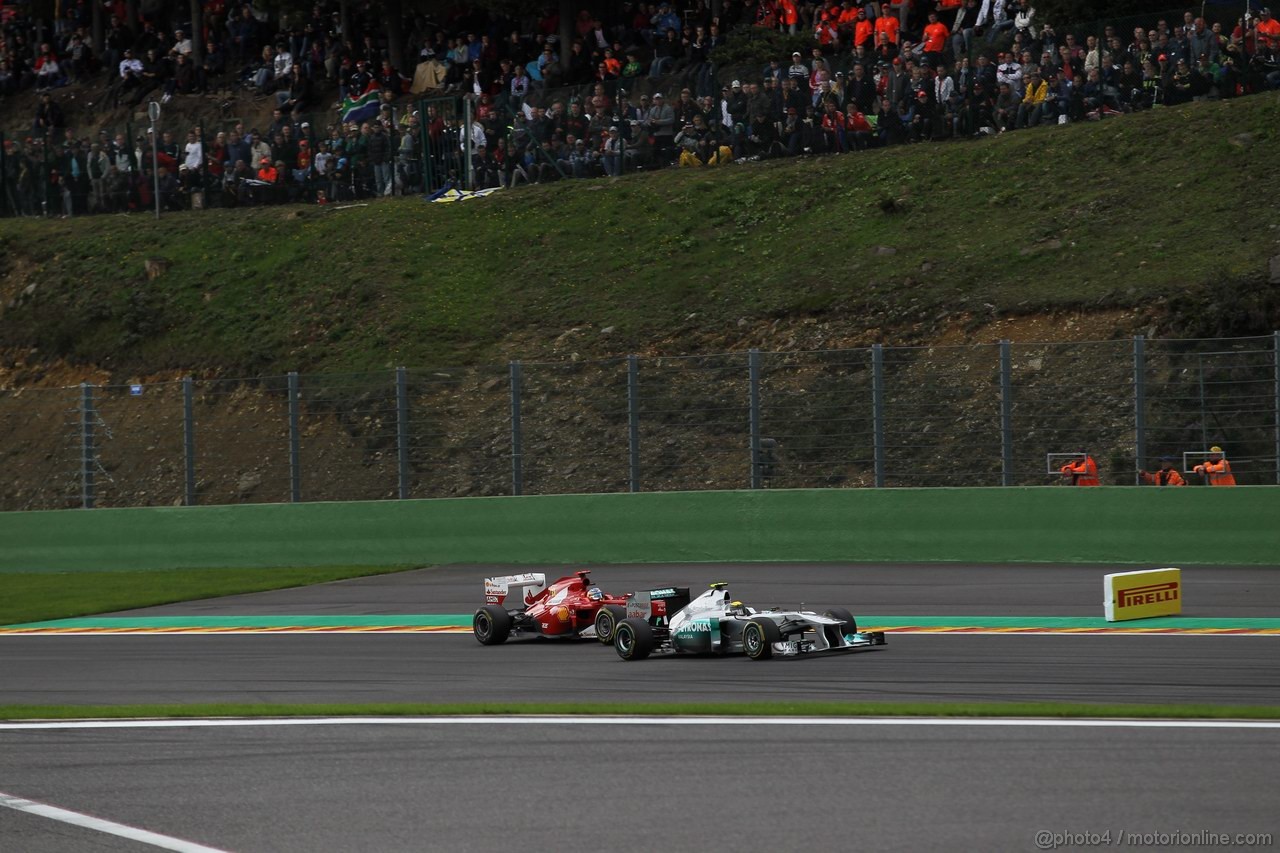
<point>983,415</point>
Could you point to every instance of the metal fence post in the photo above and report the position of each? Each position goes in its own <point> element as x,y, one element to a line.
<point>44,181</point>
<point>1006,413</point>
<point>4,179</point>
<point>153,112</point>
<point>468,180</point>
<point>877,410</point>
<point>753,381</point>
<point>1204,415</point>
<point>295,441</point>
<point>402,431</point>
<point>425,138</point>
<point>1139,407</point>
<point>1275,346</point>
<point>633,421</point>
<point>189,441</point>
<point>517,438</point>
<point>88,456</point>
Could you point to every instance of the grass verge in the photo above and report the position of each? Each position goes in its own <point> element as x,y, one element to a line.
<point>742,709</point>
<point>1124,213</point>
<point>36,596</point>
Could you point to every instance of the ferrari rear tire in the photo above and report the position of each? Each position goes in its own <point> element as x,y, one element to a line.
<point>491,625</point>
<point>607,620</point>
<point>633,639</point>
<point>758,637</point>
<point>850,625</point>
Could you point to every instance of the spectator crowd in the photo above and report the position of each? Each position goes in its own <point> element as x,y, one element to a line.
<point>493,101</point>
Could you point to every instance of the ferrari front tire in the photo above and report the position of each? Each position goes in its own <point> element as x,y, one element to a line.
<point>607,620</point>
<point>633,639</point>
<point>491,625</point>
<point>758,637</point>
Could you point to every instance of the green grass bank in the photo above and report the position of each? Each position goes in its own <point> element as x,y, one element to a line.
<point>1168,212</point>
<point>33,596</point>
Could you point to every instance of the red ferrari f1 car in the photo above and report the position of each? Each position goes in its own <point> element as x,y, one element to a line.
<point>518,605</point>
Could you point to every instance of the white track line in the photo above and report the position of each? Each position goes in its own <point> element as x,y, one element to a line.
<point>451,632</point>
<point>643,721</point>
<point>133,833</point>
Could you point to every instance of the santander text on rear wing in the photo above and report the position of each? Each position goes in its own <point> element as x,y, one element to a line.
<point>514,591</point>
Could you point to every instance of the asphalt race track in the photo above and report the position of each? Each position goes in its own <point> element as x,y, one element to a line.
<point>917,590</point>
<point>573,787</point>
<point>453,668</point>
<point>645,784</point>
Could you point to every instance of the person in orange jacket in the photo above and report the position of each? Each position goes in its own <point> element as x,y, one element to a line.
<point>1268,29</point>
<point>887,23</point>
<point>1083,471</point>
<point>267,172</point>
<point>788,16</point>
<point>1216,470</point>
<point>863,30</point>
<point>936,36</point>
<point>1166,476</point>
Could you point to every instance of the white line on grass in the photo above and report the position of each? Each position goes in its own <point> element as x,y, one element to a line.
<point>605,720</point>
<point>133,833</point>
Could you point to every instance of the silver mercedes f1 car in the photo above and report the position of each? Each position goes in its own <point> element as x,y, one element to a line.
<point>667,621</point>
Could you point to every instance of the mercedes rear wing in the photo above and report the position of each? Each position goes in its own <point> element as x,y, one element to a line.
<point>656,606</point>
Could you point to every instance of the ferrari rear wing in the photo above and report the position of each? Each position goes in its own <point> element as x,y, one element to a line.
<point>521,589</point>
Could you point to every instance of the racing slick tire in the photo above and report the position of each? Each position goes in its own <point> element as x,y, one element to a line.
<point>832,633</point>
<point>491,625</point>
<point>633,639</point>
<point>758,637</point>
<point>607,620</point>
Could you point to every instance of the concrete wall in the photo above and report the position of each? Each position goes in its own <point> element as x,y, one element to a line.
<point>989,525</point>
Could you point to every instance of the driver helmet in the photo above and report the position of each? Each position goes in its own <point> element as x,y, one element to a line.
<point>595,594</point>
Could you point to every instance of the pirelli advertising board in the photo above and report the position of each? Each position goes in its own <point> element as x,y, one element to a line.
<point>1140,595</point>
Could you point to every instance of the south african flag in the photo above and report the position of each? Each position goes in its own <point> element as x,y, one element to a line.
<point>359,108</point>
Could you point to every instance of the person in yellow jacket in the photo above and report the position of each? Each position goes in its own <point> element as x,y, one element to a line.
<point>1083,471</point>
<point>1216,470</point>
<point>1031,108</point>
